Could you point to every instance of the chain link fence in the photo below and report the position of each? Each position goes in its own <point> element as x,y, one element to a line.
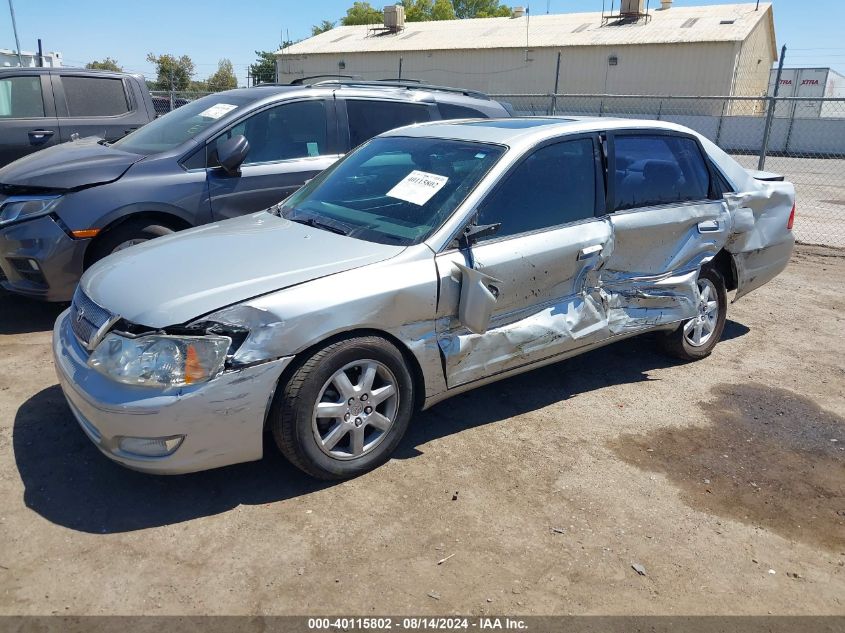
<point>801,138</point>
<point>167,100</point>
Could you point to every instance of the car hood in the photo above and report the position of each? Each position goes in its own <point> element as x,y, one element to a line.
<point>173,279</point>
<point>71,165</point>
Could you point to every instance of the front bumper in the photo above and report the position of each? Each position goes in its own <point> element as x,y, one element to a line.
<point>222,420</point>
<point>39,260</point>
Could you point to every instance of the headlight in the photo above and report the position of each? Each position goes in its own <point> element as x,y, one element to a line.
<point>24,207</point>
<point>160,360</point>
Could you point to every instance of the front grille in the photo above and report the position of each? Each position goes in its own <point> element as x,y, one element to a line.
<point>86,317</point>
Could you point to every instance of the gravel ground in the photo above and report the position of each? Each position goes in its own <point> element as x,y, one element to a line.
<point>724,479</point>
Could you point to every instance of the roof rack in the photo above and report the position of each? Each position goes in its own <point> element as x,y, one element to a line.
<point>404,83</point>
<point>300,81</point>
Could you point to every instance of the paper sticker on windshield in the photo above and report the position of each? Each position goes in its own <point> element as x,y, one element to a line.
<point>418,187</point>
<point>217,110</point>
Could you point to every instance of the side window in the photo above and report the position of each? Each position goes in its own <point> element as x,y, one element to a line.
<point>290,130</point>
<point>555,185</point>
<point>370,118</point>
<point>658,169</point>
<point>452,111</point>
<point>20,97</point>
<point>94,96</point>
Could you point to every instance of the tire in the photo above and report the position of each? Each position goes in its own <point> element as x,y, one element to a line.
<point>124,235</point>
<point>351,437</point>
<point>681,342</point>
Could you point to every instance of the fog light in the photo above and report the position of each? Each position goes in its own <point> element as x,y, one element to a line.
<point>150,446</point>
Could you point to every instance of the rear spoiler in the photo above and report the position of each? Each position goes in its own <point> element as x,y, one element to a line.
<point>765,176</point>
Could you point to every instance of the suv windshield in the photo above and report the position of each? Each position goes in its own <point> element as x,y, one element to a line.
<point>393,190</point>
<point>178,126</point>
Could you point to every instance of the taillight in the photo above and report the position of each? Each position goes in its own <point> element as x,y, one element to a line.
<point>791,218</point>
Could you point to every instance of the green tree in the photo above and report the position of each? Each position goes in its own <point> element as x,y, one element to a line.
<point>322,27</point>
<point>362,13</point>
<point>443,10</point>
<point>107,64</point>
<point>417,10</point>
<point>172,73</point>
<point>223,78</point>
<point>480,9</point>
<point>263,71</point>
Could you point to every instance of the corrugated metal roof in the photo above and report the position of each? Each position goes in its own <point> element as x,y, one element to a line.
<point>713,23</point>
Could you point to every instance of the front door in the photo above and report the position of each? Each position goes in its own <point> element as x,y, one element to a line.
<point>288,145</point>
<point>667,220</point>
<point>538,271</point>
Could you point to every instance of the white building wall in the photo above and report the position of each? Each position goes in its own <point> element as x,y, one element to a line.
<point>660,69</point>
<point>30,60</point>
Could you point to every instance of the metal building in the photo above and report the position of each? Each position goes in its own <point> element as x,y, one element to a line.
<point>704,50</point>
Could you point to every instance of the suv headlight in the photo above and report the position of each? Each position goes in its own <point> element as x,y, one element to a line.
<point>26,207</point>
<point>160,360</point>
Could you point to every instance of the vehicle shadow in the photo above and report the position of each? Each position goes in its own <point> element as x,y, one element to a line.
<point>20,315</point>
<point>68,482</point>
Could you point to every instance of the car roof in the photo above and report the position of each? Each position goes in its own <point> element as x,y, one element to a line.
<point>526,130</point>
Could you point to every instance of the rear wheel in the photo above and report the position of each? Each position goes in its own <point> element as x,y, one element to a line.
<point>697,337</point>
<point>345,409</point>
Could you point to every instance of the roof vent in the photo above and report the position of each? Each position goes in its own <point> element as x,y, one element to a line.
<point>518,12</point>
<point>727,21</point>
<point>688,24</point>
<point>394,17</point>
<point>665,5</point>
<point>582,28</point>
<point>632,7</point>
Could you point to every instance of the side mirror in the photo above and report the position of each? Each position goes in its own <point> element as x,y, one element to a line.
<point>232,153</point>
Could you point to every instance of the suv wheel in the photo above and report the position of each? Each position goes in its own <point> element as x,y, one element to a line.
<point>344,410</point>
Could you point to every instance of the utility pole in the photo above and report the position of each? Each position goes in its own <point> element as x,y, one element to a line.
<point>15,29</point>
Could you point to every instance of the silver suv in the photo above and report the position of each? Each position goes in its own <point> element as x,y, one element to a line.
<point>431,260</point>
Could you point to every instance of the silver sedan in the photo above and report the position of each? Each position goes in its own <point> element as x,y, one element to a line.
<point>429,261</point>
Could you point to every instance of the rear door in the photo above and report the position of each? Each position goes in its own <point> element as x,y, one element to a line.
<point>289,144</point>
<point>668,218</point>
<point>537,273</point>
<point>27,116</point>
<point>104,106</point>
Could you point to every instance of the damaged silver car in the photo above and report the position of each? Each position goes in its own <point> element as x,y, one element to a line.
<point>429,261</point>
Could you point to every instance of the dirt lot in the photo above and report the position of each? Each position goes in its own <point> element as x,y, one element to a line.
<point>724,479</point>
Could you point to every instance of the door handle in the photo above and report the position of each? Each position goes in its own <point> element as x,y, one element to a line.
<point>590,251</point>
<point>40,135</point>
<point>708,226</point>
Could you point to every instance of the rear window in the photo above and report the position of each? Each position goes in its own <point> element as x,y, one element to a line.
<point>94,96</point>
<point>452,111</point>
<point>370,118</point>
<point>20,98</point>
<point>658,169</point>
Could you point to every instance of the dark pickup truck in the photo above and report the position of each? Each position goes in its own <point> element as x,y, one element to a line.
<point>40,107</point>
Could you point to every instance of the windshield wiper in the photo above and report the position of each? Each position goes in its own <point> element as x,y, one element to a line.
<point>317,224</point>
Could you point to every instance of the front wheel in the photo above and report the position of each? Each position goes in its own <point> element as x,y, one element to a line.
<point>344,410</point>
<point>697,337</point>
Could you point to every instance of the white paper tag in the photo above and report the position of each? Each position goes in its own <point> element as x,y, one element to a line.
<point>217,110</point>
<point>418,187</point>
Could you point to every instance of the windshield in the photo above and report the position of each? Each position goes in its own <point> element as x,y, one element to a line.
<point>393,190</point>
<point>176,127</point>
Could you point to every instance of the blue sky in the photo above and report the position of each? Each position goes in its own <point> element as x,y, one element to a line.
<point>209,30</point>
